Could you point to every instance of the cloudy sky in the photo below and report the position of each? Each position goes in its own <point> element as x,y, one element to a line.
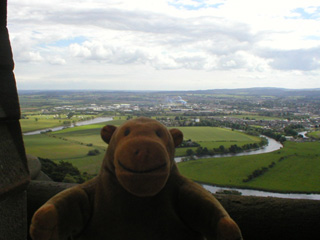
<point>165,44</point>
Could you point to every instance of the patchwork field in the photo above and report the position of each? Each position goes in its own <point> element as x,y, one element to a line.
<point>34,123</point>
<point>215,134</point>
<point>39,121</point>
<point>295,168</point>
<point>73,144</point>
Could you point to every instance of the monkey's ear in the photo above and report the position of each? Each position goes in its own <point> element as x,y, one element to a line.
<point>107,132</point>
<point>177,136</point>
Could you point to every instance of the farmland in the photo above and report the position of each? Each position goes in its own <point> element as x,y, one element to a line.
<point>213,119</point>
<point>33,122</point>
<point>73,144</point>
<point>315,134</point>
<point>296,168</point>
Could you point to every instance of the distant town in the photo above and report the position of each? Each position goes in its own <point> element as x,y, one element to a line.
<point>276,109</point>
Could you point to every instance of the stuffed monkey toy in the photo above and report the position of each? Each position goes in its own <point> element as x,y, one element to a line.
<point>139,194</point>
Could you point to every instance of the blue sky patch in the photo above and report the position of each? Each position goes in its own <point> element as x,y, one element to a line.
<point>313,38</point>
<point>68,41</point>
<point>198,5</point>
<point>305,15</point>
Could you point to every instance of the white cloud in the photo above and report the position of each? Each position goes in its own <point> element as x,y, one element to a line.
<point>197,40</point>
<point>56,60</point>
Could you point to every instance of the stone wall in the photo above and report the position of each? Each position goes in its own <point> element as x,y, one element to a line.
<point>14,175</point>
<point>260,218</point>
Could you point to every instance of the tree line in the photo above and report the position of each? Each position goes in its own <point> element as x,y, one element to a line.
<point>233,149</point>
<point>63,171</point>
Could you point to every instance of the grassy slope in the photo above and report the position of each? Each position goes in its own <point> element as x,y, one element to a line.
<point>213,137</point>
<point>206,134</point>
<point>298,172</point>
<point>46,121</point>
<point>58,149</point>
<point>70,144</point>
<point>315,134</point>
<point>256,117</point>
<point>31,124</point>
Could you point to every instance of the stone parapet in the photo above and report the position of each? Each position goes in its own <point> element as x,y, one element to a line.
<point>260,218</point>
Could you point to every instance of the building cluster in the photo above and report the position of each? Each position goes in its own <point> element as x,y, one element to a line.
<point>304,114</point>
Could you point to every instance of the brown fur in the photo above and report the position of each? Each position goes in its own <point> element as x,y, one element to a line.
<point>139,194</point>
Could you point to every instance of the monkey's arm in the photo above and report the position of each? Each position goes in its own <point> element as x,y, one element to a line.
<point>63,215</point>
<point>203,213</point>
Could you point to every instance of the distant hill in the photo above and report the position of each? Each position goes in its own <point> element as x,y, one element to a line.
<point>277,92</point>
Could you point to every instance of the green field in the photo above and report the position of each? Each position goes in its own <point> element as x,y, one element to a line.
<point>36,123</point>
<point>57,149</point>
<point>213,137</point>
<point>73,144</point>
<point>315,134</point>
<point>39,121</point>
<point>255,117</point>
<point>296,169</point>
<point>296,166</point>
<point>209,134</point>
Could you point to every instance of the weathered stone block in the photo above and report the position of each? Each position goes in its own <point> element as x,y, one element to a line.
<point>34,165</point>
<point>3,13</point>
<point>266,218</point>
<point>6,60</point>
<point>13,217</point>
<point>14,174</point>
<point>9,102</point>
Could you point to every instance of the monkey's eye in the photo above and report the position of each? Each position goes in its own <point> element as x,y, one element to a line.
<point>127,132</point>
<point>159,133</point>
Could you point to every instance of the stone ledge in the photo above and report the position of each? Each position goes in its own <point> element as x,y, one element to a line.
<point>6,61</point>
<point>14,174</point>
<point>260,218</point>
<point>9,104</point>
<point>13,216</point>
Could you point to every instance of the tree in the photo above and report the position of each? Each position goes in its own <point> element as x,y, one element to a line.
<point>61,172</point>
<point>222,149</point>
<point>69,179</point>
<point>93,152</point>
<point>235,148</point>
<point>290,131</point>
<point>199,151</point>
<point>205,151</point>
<point>70,115</point>
<point>189,152</point>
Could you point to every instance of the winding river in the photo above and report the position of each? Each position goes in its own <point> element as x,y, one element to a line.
<point>252,192</point>
<point>272,146</point>
<point>77,124</point>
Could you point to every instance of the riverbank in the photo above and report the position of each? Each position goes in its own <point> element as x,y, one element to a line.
<point>88,164</point>
<point>272,145</point>
<point>77,124</point>
<point>292,169</point>
<point>261,193</point>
